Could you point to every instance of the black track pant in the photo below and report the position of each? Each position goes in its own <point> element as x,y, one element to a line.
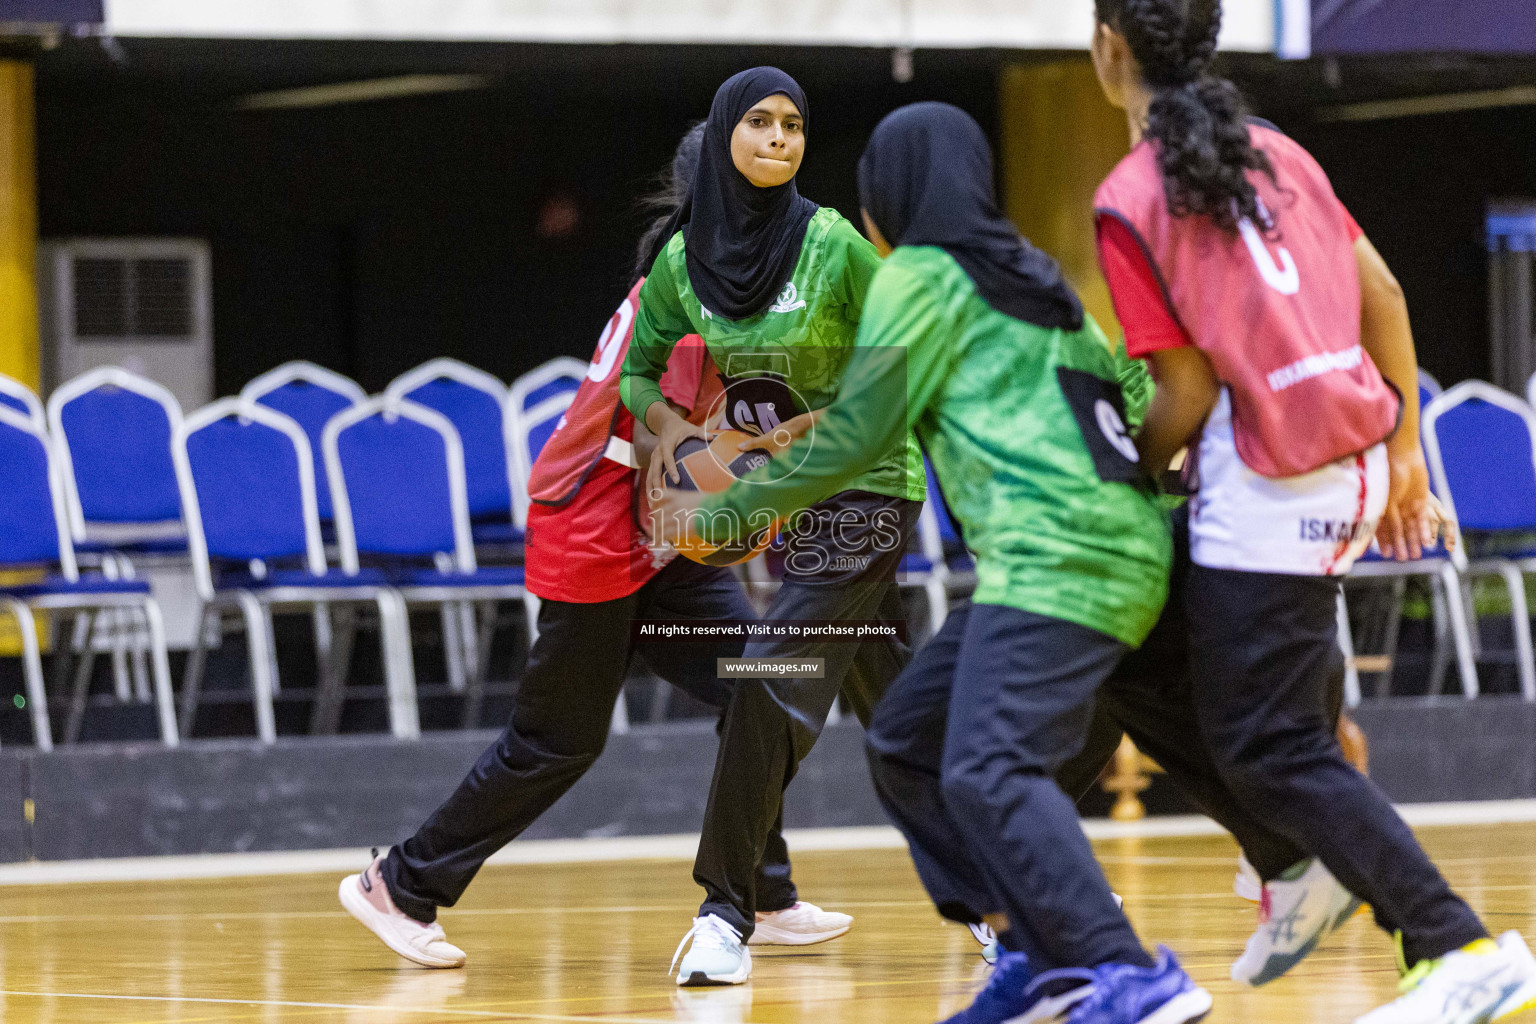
<point>1236,694</point>
<point>1150,697</point>
<point>1261,649</point>
<point>559,725</point>
<point>963,752</point>
<point>840,565</point>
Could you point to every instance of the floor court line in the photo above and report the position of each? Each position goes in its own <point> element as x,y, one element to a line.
<point>673,847</point>
<point>510,1015</point>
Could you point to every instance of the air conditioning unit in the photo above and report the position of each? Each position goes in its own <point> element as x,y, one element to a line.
<point>144,304</point>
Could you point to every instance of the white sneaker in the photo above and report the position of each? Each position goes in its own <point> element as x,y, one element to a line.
<point>1246,883</point>
<point>366,898</point>
<point>803,924</point>
<point>1481,983</point>
<point>717,957</point>
<point>991,949</point>
<point>1293,918</point>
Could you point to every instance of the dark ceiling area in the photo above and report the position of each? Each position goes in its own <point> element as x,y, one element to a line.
<point>218,70</point>
<point>497,224</point>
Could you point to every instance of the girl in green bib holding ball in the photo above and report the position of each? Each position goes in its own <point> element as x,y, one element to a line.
<point>775,285</point>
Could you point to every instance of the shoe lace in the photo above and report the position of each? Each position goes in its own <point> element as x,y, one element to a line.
<point>708,932</point>
<point>1052,980</point>
<point>1106,981</point>
<point>1409,977</point>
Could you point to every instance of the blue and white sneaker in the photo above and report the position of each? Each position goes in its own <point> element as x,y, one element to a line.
<point>1477,984</point>
<point>1294,916</point>
<point>717,957</point>
<point>1126,994</point>
<point>1015,996</point>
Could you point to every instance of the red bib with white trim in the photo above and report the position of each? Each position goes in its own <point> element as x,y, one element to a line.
<point>1277,312</point>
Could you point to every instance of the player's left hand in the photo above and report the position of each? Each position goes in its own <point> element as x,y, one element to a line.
<point>1409,523</point>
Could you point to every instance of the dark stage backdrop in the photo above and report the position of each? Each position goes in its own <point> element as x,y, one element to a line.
<point>1420,186</point>
<point>372,236</point>
<point>1423,26</point>
<point>53,12</point>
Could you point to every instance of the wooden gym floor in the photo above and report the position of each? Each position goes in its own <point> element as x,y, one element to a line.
<point>590,943</point>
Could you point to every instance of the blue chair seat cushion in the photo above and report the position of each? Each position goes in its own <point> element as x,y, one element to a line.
<point>281,578</point>
<point>916,563</point>
<point>160,546</point>
<point>85,585</point>
<point>491,576</point>
<point>494,531</point>
<point>1434,554</point>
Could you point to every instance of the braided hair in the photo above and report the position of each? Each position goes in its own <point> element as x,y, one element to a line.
<point>1197,119</point>
<point>675,182</point>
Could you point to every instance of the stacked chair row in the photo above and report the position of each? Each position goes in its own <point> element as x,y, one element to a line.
<point>1480,443</point>
<point>262,493</point>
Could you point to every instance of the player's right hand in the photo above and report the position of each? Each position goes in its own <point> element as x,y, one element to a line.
<point>781,437</point>
<point>670,430</point>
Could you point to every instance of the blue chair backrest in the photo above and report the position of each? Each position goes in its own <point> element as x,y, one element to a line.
<point>1486,450</point>
<point>542,421</point>
<point>947,529</point>
<point>398,486</point>
<point>120,453</point>
<point>29,529</point>
<point>549,389</point>
<point>249,495</point>
<point>16,402</point>
<point>477,416</point>
<point>311,406</point>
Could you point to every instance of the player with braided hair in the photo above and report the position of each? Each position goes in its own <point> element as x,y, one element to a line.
<point>1284,360</point>
<point>1198,119</point>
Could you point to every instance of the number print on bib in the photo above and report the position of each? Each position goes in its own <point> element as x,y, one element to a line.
<point>1099,409</point>
<point>611,344</point>
<point>1283,277</point>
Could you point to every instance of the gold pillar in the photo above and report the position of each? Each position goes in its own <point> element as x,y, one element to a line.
<point>19,355</point>
<point>1060,138</point>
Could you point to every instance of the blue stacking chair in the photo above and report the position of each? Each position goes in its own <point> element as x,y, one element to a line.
<point>547,380</point>
<point>17,397</point>
<point>309,395</point>
<point>1451,624</point>
<point>1481,446</point>
<point>962,567</point>
<point>926,567</point>
<point>534,406</point>
<point>111,436</point>
<point>528,430</point>
<point>422,532</point>
<point>34,533</point>
<point>472,401</point>
<point>247,481</point>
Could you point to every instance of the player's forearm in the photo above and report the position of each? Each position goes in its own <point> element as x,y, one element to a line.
<point>1186,391</point>
<point>861,427</point>
<point>640,376</point>
<point>640,396</point>
<point>1387,337</point>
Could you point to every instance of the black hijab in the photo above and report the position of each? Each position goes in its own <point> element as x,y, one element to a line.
<point>926,179</point>
<point>742,241</point>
